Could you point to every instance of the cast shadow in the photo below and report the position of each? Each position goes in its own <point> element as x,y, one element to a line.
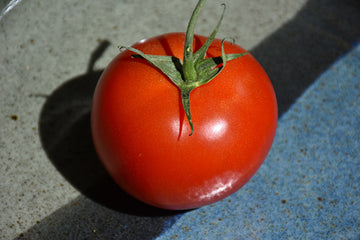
<point>66,137</point>
<point>84,219</point>
<point>302,49</point>
<point>65,134</point>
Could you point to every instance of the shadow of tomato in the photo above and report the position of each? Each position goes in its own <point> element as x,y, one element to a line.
<point>66,137</point>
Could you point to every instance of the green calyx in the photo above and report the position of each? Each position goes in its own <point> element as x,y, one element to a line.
<point>194,70</point>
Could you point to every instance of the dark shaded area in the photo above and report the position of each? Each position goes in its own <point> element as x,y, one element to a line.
<point>294,56</point>
<point>66,136</point>
<point>85,219</point>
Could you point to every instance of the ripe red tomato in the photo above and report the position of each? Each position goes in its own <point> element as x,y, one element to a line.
<point>141,133</point>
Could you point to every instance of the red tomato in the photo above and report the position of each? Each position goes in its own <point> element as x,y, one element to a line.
<point>141,133</point>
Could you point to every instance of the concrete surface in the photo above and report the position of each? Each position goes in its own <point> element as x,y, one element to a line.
<point>52,185</point>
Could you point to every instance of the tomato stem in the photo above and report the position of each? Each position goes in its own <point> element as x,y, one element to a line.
<point>190,74</point>
<point>195,70</point>
<point>185,99</point>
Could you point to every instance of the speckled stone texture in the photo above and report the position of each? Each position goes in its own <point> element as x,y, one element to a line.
<point>52,185</point>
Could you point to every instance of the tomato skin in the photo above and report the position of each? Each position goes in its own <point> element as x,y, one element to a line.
<point>141,134</point>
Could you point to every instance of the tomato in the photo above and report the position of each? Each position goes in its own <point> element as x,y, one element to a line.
<point>141,131</point>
